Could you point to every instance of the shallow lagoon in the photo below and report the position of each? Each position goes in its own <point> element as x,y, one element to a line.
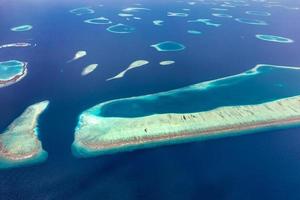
<point>121,28</point>
<point>98,20</point>
<point>82,11</point>
<point>168,46</point>
<point>269,81</point>
<point>10,69</point>
<point>274,38</point>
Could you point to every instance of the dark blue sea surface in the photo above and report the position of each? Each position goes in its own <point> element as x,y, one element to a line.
<point>258,166</point>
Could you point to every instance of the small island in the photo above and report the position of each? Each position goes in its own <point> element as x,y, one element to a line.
<point>11,72</point>
<point>212,109</point>
<point>19,144</point>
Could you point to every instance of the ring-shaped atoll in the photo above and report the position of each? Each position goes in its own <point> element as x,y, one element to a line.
<point>274,38</point>
<point>251,21</point>
<point>121,28</point>
<point>168,46</point>
<point>98,20</point>
<point>12,71</point>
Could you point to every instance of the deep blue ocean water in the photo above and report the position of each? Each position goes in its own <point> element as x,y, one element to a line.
<point>259,166</point>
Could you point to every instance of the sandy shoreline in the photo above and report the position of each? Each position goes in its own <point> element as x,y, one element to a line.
<point>200,133</point>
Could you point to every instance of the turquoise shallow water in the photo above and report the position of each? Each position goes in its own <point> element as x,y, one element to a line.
<point>9,69</point>
<point>258,166</point>
<point>258,85</point>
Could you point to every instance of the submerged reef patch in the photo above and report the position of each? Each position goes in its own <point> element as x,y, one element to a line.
<point>125,15</point>
<point>258,13</point>
<point>220,9</point>
<point>176,14</point>
<point>194,32</point>
<point>19,144</point>
<point>221,15</point>
<point>207,22</point>
<point>21,28</point>
<point>135,9</point>
<point>158,22</point>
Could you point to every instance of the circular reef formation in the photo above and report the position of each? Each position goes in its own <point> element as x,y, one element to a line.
<point>11,72</point>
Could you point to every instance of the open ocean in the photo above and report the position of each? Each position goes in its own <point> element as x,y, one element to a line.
<point>258,166</point>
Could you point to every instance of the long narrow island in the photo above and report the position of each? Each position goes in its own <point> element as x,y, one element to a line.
<point>19,144</point>
<point>212,109</point>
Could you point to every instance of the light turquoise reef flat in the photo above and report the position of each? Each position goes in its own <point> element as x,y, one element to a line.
<point>125,15</point>
<point>207,22</point>
<point>274,38</point>
<point>21,28</point>
<point>158,22</point>
<point>258,13</point>
<point>194,32</point>
<point>19,144</point>
<point>264,97</point>
<point>121,28</point>
<point>135,9</point>
<point>168,46</point>
<point>222,15</point>
<point>176,14</point>
<point>11,71</point>
<point>220,9</point>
